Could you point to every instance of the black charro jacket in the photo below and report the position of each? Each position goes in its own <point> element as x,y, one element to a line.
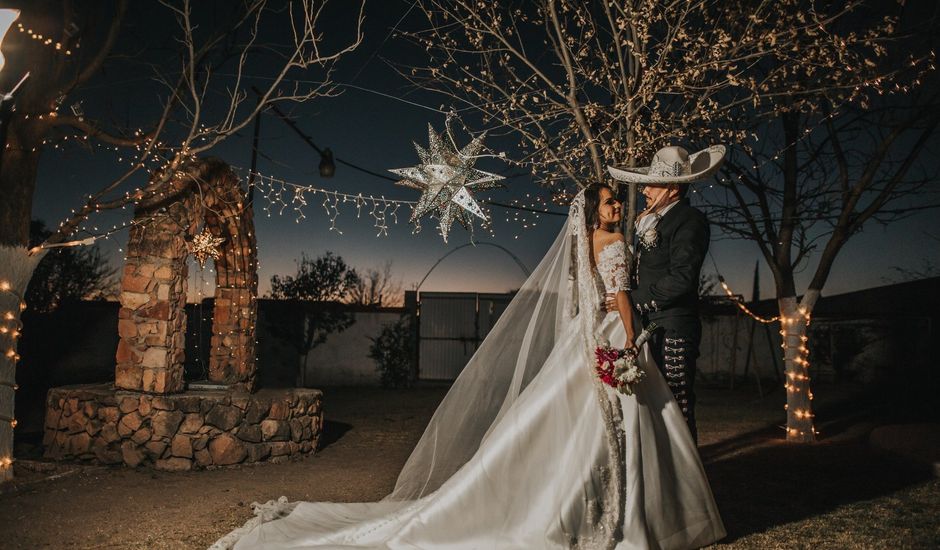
<point>666,276</point>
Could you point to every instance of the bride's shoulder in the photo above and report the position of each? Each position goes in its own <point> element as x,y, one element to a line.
<point>609,243</point>
<point>602,237</point>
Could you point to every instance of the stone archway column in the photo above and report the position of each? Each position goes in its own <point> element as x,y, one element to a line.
<point>232,353</point>
<point>152,318</point>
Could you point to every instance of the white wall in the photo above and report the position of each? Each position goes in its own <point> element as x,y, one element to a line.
<point>343,360</point>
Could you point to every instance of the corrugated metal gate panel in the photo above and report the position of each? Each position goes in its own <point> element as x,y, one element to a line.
<point>451,327</point>
<point>448,316</point>
<point>448,334</point>
<point>444,359</point>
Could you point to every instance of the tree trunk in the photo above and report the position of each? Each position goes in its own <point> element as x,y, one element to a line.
<point>19,162</point>
<point>18,167</point>
<point>629,230</point>
<point>16,268</point>
<point>631,212</point>
<point>794,321</point>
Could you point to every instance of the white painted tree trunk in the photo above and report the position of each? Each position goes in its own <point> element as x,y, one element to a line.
<point>16,268</point>
<point>794,320</point>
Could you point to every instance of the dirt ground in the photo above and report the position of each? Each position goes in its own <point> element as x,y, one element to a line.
<point>836,493</point>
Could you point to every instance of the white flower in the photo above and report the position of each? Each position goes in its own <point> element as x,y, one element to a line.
<point>630,375</point>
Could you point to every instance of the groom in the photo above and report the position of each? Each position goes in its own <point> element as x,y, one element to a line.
<point>672,240</point>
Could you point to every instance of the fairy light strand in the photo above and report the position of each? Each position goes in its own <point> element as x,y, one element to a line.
<point>45,40</point>
<point>796,381</point>
<point>10,330</point>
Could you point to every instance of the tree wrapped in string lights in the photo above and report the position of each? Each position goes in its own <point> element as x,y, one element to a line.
<point>585,84</point>
<point>804,183</point>
<point>66,45</point>
<point>802,205</point>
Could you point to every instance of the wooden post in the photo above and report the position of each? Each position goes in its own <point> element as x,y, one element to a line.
<point>734,347</point>
<point>254,158</point>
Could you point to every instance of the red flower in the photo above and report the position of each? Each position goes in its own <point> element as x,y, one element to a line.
<point>606,356</point>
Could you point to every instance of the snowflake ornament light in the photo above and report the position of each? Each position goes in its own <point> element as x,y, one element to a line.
<point>205,245</point>
<point>445,177</point>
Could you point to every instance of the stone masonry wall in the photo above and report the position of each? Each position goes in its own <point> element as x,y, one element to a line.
<point>232,353</point>
<point>151,352</point>
<point>195,430</point>
<point>152,318</point>
<point>152,322</point>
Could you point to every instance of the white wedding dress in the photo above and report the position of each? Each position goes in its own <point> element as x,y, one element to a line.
<point>528,449</point>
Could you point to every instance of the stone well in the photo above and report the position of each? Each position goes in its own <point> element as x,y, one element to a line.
<point>185,431</point>
<point>147,415</point>
<point>152,319</point>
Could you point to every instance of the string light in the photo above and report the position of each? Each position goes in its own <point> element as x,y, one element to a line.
<point>796,382</point>
<point>736,299</point>
<point>45,40</point>
<point>10,328</point>
<point>532,207</point>
<point>281,194</point>
<point>380,207</point>
<point>274,190</point>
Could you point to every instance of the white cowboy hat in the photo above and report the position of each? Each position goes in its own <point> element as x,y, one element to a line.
<point>673,164</point>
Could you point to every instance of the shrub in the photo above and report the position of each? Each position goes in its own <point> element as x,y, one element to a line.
<point>394,353</point>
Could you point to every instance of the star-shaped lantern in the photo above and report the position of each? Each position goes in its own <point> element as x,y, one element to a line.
<point>204,246</point>
<point>444,178</point>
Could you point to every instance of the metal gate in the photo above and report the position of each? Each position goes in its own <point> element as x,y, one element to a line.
<point>451,326</point>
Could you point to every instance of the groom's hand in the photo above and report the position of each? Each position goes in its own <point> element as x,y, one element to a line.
<point>610,302</point>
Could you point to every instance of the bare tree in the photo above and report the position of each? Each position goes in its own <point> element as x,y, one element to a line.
<point>706,285</point>
<point>925,270</point>
<point>216,58</point>
<point>319,289</point>
<point>69,274</point>
<point>377,288</point>
<point>211,64</point>
<point>584,84</point>
<point>809,184</point>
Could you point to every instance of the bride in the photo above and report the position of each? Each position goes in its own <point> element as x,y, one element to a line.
<point>529,449</point>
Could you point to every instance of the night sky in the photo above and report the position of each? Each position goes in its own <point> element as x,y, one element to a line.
<point>376,132</point>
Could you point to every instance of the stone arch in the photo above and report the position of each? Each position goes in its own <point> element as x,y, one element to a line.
<point>152,319</point>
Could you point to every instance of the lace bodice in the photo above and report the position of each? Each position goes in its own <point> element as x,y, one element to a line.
<point>612,266</point>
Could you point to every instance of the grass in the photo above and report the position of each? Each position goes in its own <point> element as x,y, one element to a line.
<point>836,493</point>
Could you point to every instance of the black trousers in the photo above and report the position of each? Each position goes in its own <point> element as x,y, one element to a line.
<point>675,347</point>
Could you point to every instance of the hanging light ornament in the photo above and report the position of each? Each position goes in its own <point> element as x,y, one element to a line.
<point>444,178</point>
<point>327,166</point>
<point>204,246</point>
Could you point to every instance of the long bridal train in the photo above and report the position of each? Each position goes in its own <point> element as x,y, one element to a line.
<point>519,453</point>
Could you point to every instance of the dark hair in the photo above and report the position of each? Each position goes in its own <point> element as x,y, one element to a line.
<point>592,201</point>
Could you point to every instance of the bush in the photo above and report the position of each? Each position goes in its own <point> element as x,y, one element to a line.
<point>394,353</point>
<point>68,274</point>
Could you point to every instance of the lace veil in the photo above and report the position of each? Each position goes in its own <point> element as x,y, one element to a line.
<point>544,310</point>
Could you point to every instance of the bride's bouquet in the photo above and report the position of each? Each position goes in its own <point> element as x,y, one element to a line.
<point>620,368</point>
